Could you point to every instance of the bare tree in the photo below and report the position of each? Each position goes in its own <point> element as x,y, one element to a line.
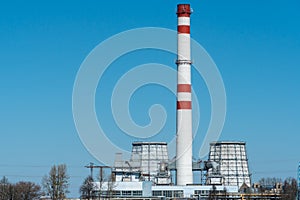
<point>269,181</point>
<point>57,182</point>
<point>20,191</point>
<point>102,179</point>
<point>87,188</point>
<point>110,186</point>
<point>106,185</point>
<point>290,189</point>
<point>267,184</point>
<point>26,190</point>
<point>4,189</point>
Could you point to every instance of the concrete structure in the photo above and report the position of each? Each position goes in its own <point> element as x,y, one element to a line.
<point>136,189</point>
<point>149,162</point>
<point>232,161</point>
<point>184,98</point>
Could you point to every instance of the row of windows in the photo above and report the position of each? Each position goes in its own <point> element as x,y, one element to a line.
<point>128,193</point>
<point>229,150</point>
<point>197,192</point>
<point>150,148</point>
<point>228,157</point>
<point>228,147</point>
<point>168,193</point>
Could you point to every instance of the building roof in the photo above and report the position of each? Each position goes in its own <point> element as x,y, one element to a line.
<point>149,143</point>
<point>228,142</point>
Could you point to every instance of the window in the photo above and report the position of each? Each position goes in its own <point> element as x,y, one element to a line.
<point>117,193</point>
<point>137,193</point>
<point>157,193</point>
<point>178,193</point>
<point>126,193</point>
<point>197,192</point>
<point>167,193</point>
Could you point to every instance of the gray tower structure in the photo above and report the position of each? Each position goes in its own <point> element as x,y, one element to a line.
<point>232,163</point>
<point>148,162</point>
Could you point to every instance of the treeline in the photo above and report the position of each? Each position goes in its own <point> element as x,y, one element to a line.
<point>289,186</point>
<point>21,190</point>
<point>55,186</point>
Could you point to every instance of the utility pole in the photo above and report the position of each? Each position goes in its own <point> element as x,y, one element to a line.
<point>92,166</point>
<point>101,179</point>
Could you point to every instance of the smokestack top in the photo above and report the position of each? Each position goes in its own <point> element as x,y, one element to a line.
<point>183,10</point>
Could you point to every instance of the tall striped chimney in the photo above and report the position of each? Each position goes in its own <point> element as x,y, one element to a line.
<point>184,98</point>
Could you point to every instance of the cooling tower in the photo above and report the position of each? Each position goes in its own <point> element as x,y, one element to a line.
<point>232,161</point>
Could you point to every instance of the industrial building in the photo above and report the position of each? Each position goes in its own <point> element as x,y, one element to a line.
<point>147,189</point>
<point>149,173</point>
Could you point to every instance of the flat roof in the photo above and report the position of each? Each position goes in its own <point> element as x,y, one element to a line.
<point>227,142</point>
<point>148,143</point>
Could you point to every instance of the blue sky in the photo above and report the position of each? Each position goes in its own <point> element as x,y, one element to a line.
<point>255,44</point>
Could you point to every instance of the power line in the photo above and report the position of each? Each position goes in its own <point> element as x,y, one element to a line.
<point>32,176</point>
<point>36,166</point>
